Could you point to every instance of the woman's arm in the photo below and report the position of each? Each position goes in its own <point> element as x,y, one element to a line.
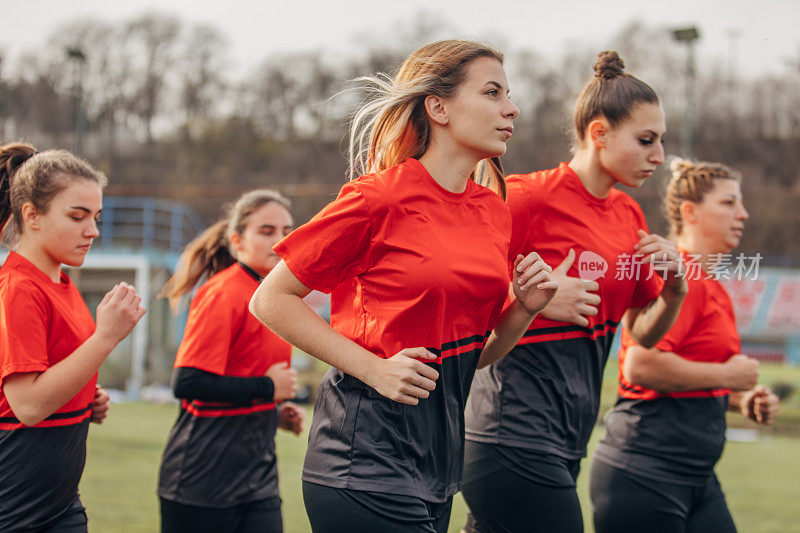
<point>648,324</point>
<point>279,383</point>
<point>33,396</point>
<point>669,372</point>
<point>533,287</point>
<point>278,304</point>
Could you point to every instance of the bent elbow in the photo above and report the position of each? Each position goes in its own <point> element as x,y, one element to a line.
<point>29,415</point>
<point>631,375</point>
<point>636,373</point>
<point>253,307</point>
<point>257,308</point>
<point>640,379</point>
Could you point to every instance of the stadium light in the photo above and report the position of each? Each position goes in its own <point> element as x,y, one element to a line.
<point>76,54</point>
<point>689,36</point>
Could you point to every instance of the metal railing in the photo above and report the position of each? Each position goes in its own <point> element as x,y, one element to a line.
<point>149,223</point>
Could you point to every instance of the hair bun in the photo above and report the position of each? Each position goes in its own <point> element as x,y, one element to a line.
<point>608,65</point>
<point>680,165</point>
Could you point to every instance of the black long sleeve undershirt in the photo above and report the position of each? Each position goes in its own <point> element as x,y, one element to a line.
<point>190,383</point>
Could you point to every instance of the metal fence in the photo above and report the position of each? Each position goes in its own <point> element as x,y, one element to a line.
<point>136,223</point>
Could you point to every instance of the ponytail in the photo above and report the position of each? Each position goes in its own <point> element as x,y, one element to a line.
<point>206,255</point>
<point>12,156</point>
<point>210,251</point>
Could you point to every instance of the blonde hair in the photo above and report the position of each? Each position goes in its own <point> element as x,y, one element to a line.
<point>210,251</point>
<point>691,181</point>
<point>393,125</point>
<point>28,176</point>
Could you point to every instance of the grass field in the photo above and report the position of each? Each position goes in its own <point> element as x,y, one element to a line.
<point>118,487</point>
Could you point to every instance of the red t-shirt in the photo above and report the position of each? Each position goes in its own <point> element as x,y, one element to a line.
<point>41,323</point>
<point>221,335</point>
<point>221,453</point>
<point>402,268</point>
<point>408,263</point>
<point>552,212</point>
<point>676,437</point>
<point>705,331</point>
<point>223,338</point>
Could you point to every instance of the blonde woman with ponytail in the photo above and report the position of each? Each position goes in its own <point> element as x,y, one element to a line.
<point>232,375</point>
<point>50,347</point>
<point>414,254</point>
<point>654,469</point>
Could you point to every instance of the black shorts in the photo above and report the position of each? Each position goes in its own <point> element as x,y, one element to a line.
<point>261,516</point>
<point>332,510</point>
<point>502,499</point>
<point>622,501</point>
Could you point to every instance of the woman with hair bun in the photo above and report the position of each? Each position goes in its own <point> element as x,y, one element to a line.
<point>414,254</point>
<point>232,375</point>
<point>50,347</point>
<point>654,469</point>
<point>529,416</point>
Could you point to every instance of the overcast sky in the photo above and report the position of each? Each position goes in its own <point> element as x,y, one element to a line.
<point>768,29</point>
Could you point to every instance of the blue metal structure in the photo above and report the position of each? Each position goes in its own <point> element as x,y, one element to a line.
<point>147,225</point>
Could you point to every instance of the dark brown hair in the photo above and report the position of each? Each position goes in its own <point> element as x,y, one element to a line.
<point>611,93</point>
<point>30,177</point>
<point>691,181</point>
<point>210,251</point>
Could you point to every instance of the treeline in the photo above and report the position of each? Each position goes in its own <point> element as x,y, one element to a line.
<point>165,112</point>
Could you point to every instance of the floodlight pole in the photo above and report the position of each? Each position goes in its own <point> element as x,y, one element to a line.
<point>76,54</point>
<point>688,36</point>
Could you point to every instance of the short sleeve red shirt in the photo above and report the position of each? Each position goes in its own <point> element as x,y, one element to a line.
<point>41,323</point>
<point>552,212</point>
<point>221,335</point>
<point>402,266</point>
<point>705,331</point>
<point>408,263</point>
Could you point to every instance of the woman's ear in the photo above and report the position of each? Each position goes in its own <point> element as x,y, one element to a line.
<point>436,110</point>
<point>30,216</point>
<point>688,212</point>
<point>236,241</point>
<point>598,130</point>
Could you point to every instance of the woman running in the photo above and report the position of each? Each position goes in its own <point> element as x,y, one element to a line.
<point>50,347</point>
<point>529,416</point>
<point>219,472</point>
<point>654,470</point>
<point>414,254</point>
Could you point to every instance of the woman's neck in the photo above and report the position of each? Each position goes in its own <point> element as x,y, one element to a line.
<point>40,259</point>
<point>700,251</point>
<point>450,167</point>
<point>586,164</point>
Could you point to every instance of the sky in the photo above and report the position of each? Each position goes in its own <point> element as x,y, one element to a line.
<point>767,39</point>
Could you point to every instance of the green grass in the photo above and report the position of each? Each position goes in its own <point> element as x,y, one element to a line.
<point>118,487</point>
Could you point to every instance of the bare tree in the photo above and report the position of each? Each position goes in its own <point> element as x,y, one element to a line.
<point>155,36</point>
<point>201,81</point>
<point>108,82</point>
